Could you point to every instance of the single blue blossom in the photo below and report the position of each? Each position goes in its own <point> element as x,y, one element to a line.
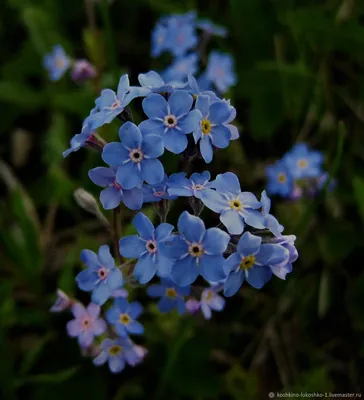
<point>157,192</point>
<point>285,267</point>
<point>179,185</point>
<point>117,353</point>
<point>234,206</point>
<point>181,38</point>
<point>101,276</point>
<point>212,130</point>
<point>56,63</point>
<point>135,157</point>
<point>270,222</point>
<point>62,303</point>
<point>171,295</point>
<point>86,324</point>
<point>303,162</point>
<point>171,120</point>
<point>279,179</point>
<point>181,67</point>
<point>252,262</point>
<point>113,193</point>
<point>211,28</point>
<point>146,248</point>
<point>155,83</point>
<point>196,251</point>
<point>123,316</point>
<point>220,71</point>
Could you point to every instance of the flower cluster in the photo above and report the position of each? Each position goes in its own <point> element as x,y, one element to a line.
<point>178,35</point>
<point>298,173</point>
<point>189,266</point>
<point>58,62</point>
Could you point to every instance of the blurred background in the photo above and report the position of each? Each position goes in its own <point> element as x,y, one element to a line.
<point>300,71</point>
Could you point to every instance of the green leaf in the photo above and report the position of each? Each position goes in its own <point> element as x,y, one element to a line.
<point>57,377</point>
<point>324,294</point>
<point>19,95</point>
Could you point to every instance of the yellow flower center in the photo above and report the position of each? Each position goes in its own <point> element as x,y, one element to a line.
<point>247,262</point>
<point>195,249</point>
<point>171,293</point>
<point>114,350</point>
<point>60,62</point>
<point>205,126</point>
<point>302,163</point>
<point>236,204</point>
<point>209,295</point>
<point>281,177</point>
<point>124,319</point>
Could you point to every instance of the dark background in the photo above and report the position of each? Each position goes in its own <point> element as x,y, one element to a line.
<point>300,72</point>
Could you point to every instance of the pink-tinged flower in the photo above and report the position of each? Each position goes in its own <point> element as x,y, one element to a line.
<point>62,303</point>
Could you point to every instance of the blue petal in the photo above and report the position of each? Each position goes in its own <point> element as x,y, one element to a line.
<point>107,97</point>
<point>130,135</point>
<point>116,364</point>
<point>253,218</point>
<point>163,231</point>
<point>185,271</point>
<point>165,304</point>
<point>202,104</point>
<point>133,198</point>
<point>131,246</point>
<point>145,269</point>
<point>249,244</point>
<point>135,328</point>
<point>220,136</point>
<point>206,149</point>
<point>86,280</point>
<point>190,122</point>
<point>151,78</point>
<point>156,290</point>
<point>215,241</point>
<point>114,154</point>
<point>152,127</point>
<point>100,294</point>
<point>180,305</point>
<point>102,176</point>
<point>232,262</point>
<point>105,256</point>
<point>173,247</point>
<point>212,267</point>
<point>180,191</point>
<point>214,201</point>
<point>110,197</point>
<point>233,222</point>
<point>101,358</point>
<point>227,182</point>
<point>258,276</point>
<point>152,171</point>
<point>135,309</point>
<point>191,227</point>
<point>233,283</point>
<point>155,106</point>
<point>175,141</point>
<point>144,226</point>
<point>219,112</point>
<point>164,266</point>
<point>89,257</point>
<point>129,176</point>
<point>271,254</point>
<point>180,103</point>
<point>265,202</point>
<point>249,200</point>
<point>153,146</point>
<point>200,179</point>
<point>123,86</point>
<point>114,279</point>
<point>121,305</point>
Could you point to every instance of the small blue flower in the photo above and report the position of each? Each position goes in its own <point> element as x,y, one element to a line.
<point>181,38</point>
<point>86,324</point>
<point>211,28</point>
<point>82,71</point>
<point>123,316</point>
<point>179,185</point>
<point>110,104</point>
<point>155,83</point>
<point>171,120</point>
<point>251,262</point>
<point>146,248</point>
<point>303,162</point>
<point>101,277</point>
<point>236,207</point>
<point>212,129</point>
<point>171,296</point>
<point>117,353</point>
<point>181,67</point>
<point>62,303</point>
<point>220,71</point>
<point>196,251</point>
<point>270,221</point>
<point>113,193</point>
<point>210,300</point>
<point>282,269</point>
<point>160,40</point>
<point>135,157</point>
<point>57,62</point>
<point>279,179</point>
<point>157,192</point>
